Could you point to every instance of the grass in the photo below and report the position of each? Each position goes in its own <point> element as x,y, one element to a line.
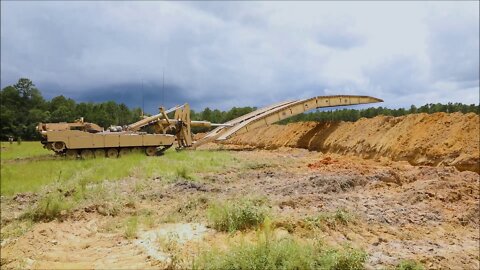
<point>51,206</point>
<point>131,227</point>
<point>23,150</point>
<point>409,265</point>
<point>269,252</point>
<point>231,216</point>
<point>182,172</point>
<point>26,175</point>
<point>15,229</point>
<point>330,219</point>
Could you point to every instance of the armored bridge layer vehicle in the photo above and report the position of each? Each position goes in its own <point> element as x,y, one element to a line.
<point>88,140</point>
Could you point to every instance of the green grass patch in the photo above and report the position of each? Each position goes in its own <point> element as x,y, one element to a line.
<point>330,219</point>
<point>230,216</point>
<point>31,175</point>
<point>24,150</point>
<point>409,265</point>
<point>187,164</point>
<point>285,253</point>
<point>131,227</point>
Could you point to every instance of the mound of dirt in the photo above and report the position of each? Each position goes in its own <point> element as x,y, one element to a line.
<point>421,139</point>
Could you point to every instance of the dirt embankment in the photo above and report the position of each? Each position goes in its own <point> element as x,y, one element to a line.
<point>421,139</point>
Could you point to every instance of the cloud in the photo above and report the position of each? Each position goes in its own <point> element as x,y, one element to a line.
<point>453,43</point>
<point>224,54</point>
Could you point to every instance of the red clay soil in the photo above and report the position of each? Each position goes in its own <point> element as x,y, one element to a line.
<point>421,139</point>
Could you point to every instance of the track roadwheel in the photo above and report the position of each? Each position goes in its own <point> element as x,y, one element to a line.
<point>125,151</point>
<point>58,146</point>
<point>99,153</point>
<point>86,154</point>
<point>71,154</point>
<point>151,151</point>
<point>112,153</point>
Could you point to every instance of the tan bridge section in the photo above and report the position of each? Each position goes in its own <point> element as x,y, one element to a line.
<point>277,112</point>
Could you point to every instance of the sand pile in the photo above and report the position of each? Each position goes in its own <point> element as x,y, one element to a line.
<point>421,139</point>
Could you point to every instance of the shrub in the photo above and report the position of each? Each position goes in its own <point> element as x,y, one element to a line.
<point>236,215</point>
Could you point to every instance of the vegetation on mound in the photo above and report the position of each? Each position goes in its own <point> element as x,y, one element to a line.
<point>237,215</point>
<point>281,253</point>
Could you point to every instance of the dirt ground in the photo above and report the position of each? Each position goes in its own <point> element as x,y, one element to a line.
<point>400,211</point>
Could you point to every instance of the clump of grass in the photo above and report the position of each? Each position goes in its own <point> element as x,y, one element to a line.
<point>409,265</point>
<point>284,253</point>
<point>236,215</point>
<point>49,207</point>
<point>256,165</point>
<point>131,227</point>
<point>330,219</point>
<point>15,229</point>
<point>182,172</point>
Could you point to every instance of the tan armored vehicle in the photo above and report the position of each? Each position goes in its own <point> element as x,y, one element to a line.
<point>89,140</point>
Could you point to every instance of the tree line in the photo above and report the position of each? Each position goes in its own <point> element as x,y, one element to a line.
<point>352,115</point>
<point>22,107</point>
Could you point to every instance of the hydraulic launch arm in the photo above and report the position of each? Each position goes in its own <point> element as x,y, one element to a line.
<point>163,120</point>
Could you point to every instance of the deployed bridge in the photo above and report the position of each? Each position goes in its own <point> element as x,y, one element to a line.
<point>277,112</point>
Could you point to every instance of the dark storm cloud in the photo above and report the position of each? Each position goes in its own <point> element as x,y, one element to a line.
<point>150,96</point>
<point>241,54</point>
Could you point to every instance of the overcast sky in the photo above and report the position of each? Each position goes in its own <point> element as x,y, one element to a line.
<point>243,53</point>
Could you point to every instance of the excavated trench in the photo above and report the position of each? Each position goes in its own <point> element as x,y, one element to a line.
<point>438,139</point>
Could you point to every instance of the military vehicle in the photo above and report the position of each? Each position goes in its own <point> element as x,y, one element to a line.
<point>88,140</point>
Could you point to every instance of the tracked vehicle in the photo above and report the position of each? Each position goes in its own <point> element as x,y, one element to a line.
<point>89,140</point>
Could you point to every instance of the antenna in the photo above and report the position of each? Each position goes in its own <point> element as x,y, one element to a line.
<point>143,101</point>
<point>163,88</point>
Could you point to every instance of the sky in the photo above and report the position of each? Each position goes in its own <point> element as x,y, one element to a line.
<point>225,54</point>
